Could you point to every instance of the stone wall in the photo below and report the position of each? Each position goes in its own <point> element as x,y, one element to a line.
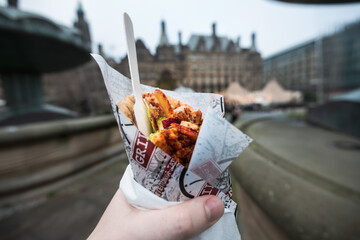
<point>81,89</point>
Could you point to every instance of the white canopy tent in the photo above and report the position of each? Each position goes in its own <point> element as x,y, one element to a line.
<point>272,93</point>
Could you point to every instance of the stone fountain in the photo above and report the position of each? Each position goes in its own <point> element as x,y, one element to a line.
<point>31,45</point>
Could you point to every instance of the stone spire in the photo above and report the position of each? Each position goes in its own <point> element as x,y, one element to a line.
<point>80,11</point>
<point>180,39</point>
<point>253,42</point>
<point>163,38</point>
<point>82,24</point>
<point>238,43</point>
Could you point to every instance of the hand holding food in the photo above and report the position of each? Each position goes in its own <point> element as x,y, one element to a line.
<point>154,179</point>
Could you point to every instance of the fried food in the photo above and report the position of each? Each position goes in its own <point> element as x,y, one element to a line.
<point>175,125</point>
<point>164,103</point>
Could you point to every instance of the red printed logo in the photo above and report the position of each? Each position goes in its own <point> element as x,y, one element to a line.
<point>142,150</point>
<point>229,193</point>
<point>168,171</point>
<point>207,189</point>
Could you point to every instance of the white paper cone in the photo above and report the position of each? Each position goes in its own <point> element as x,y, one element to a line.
<point>154,180</point>
<point>139,197</point>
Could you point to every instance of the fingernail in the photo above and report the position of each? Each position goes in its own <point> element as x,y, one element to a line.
<point>214,208</point>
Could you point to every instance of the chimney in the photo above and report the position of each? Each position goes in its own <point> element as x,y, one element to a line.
<point>180,42</point>
<point>214,29</point>
<point>13,3</point>
<point>253,42</point>
<point>100,50</point>
<point>238,45</point>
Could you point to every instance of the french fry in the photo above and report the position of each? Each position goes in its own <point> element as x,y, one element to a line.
<point>164,102</point>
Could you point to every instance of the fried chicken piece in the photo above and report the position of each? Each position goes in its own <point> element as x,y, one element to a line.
<point>171,136</point>
<point>196,117</point>
<point>190,125</point>
<point>159,140</point>
<point>182,113</point>
<point>183,155</point>
<point>184,130</point>
<point>185,140</point>
<point>187,114</point>
<point>178,136</point>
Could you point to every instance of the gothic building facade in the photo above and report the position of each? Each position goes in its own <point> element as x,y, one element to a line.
<point>205,63</point>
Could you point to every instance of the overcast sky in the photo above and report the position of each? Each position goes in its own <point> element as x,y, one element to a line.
<point>277,25</point>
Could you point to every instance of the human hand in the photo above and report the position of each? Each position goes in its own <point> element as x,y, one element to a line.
<point>183,221</point>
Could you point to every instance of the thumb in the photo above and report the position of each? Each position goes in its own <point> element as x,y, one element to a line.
<point>185,220</point>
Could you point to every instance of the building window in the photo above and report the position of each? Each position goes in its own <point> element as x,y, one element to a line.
<point>202,68</point>
<point>219,84</point>
<point>194,67</point>
<point>193,58</point>
<point>195,85</point>
<point>203,87</point>
<point>211,87</point>
<point>226,81</point>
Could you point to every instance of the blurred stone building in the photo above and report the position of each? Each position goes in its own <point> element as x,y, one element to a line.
<point>341,59</point>
<point>293,68</point>
<point>80,89</point>
<point>329,64</point>
<point>82,24</point>
<point>205,63</point>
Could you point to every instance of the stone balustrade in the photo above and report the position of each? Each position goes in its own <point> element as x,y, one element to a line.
<point>38,154</point>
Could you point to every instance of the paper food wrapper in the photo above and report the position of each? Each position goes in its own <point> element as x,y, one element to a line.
<point>155,180</point>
